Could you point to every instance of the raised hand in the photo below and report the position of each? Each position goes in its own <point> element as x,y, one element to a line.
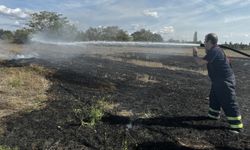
<point>195,52</point>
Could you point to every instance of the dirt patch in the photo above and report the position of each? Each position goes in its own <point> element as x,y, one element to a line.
<point>141,106</point>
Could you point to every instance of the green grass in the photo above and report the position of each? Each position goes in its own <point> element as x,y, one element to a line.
<point>7,148</point>
<point>125,144</point>
<point>94,113</point>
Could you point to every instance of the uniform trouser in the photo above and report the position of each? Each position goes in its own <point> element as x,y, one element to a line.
<point>222,95</point>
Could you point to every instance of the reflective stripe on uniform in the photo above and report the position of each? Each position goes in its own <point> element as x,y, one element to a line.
<point>215,117</point>
<point>234,118</point>
<point>213,113</point>
<point>238,126</point>
<point>212,110</point>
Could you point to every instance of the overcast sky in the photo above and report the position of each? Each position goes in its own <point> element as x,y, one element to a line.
<point>177,19</point>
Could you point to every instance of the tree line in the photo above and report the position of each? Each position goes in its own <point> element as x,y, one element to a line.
<point>53,26</point>
<point>238,45</point>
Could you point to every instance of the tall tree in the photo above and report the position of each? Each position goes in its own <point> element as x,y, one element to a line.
<point>52,25</point>
<point>122,36</point>
<point>110,33</point>
<point>146,35</point>
<point>7,35</point>
<point>21,36</point>
<point>113,33</point>
<point>1,33</point>
<point>93,34</point>
<point>44,20</point>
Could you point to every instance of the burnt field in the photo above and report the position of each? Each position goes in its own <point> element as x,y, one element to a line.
<point>126,100</point>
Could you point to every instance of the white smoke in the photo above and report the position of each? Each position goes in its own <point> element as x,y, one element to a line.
<point>17,12</point>
<point>26,56</point>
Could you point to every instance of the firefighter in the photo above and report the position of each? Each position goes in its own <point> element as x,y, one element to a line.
<point>222,94</point>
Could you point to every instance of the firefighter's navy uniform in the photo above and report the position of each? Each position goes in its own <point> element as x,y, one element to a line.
<point>222,93</point>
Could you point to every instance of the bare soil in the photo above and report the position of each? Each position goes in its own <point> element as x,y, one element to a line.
<point>157,101</point>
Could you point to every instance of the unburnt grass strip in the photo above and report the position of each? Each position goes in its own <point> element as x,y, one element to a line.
<point>22,89</point>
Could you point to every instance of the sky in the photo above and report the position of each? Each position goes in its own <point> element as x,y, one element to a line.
<point>177,19</point>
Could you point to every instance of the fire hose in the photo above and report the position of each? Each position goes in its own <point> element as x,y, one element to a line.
<point>232,49</point>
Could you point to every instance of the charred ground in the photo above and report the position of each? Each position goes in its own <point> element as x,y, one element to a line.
<point>152,101</point>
